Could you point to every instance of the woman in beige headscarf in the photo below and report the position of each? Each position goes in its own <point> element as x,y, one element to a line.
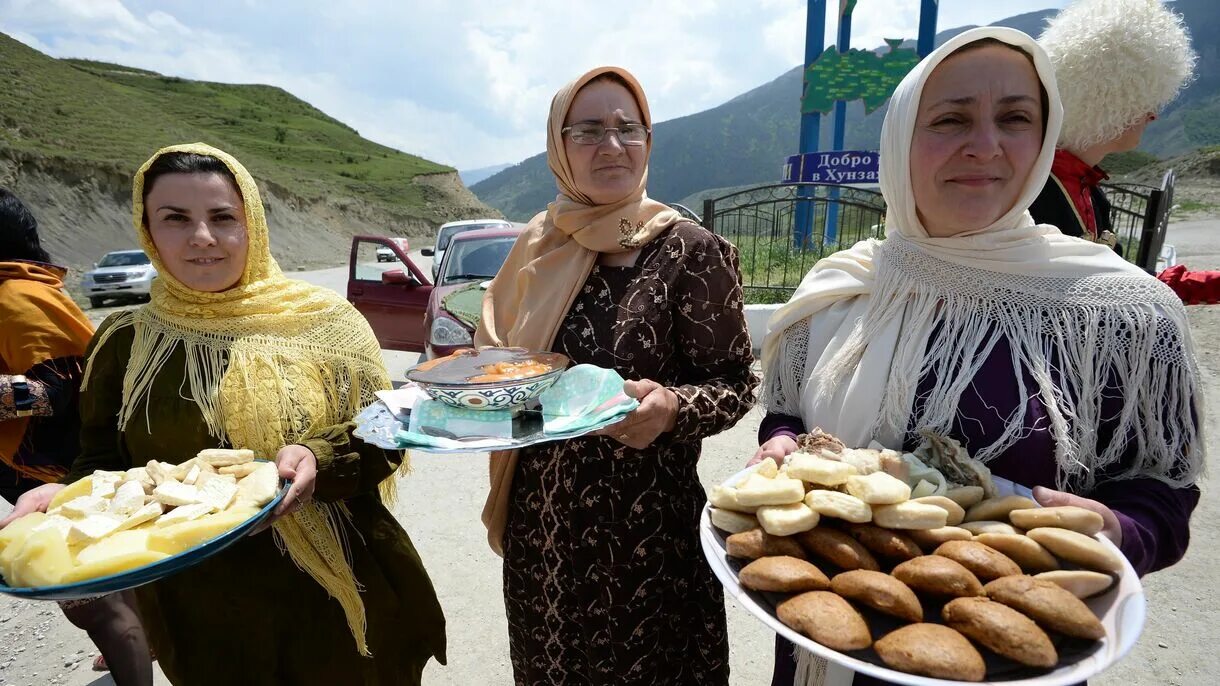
<point>604,582</point>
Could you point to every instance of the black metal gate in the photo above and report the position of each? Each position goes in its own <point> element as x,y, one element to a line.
<point>762,223</point>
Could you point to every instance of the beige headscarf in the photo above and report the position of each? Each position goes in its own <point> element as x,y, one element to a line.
<point>549,263</point>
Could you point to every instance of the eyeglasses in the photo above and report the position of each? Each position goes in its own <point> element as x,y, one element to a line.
<point>593,134</point>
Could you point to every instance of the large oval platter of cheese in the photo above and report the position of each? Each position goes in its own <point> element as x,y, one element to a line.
<point>921,568</point>
<point>117,530</point>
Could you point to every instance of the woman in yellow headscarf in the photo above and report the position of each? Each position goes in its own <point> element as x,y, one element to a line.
<point>230,353</point>
<point>604,582</point>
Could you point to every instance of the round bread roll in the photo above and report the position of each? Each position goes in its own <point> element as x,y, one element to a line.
<point>826,618</point>
<point>1047,604</point>
<point>843,506</point>
<point>955,511</point>
<point>757,543</point>
<point>732,522</point>
<point>1078,549</point>
<point>1002,630</point>
<point>759,490</point>
<point>931,650</point>
<point>819,470</point>
<point>1079,582</point>
<point>884,542</point>
<point>928,539</point>
<point>837,548</point>
<point>1068,517</point>
<point>725,498</point>
<point>909,515</point>
<point>879,591</point>
<point>785,520</point>
<point>989,527</point>
<point>782,574</point>
<point>966,496</point>
<point>997,509</point>
<point>878,488</point>
<point>984,562</point>
<point>1023,550</point>
<point>939,576</point>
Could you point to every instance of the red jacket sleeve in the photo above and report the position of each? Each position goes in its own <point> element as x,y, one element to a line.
<point>1194,288</point>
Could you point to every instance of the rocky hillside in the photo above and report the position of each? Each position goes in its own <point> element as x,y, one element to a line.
<point>73,131</point>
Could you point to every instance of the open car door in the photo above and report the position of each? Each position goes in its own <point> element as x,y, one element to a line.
<point>393,295</point>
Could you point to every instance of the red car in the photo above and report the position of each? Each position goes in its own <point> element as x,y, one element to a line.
<point>409,313</point>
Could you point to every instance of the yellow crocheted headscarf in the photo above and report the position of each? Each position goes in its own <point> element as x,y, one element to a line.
<point>270,362</point>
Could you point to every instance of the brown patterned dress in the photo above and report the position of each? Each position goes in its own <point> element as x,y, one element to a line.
<point>604,581</point>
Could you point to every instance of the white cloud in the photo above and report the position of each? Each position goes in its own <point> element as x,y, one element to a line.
<point>462,82</point>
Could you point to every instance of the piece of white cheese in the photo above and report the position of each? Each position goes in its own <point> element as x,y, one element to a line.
<point>180,471</point>
<point>206,476</point>
<point>218,493</point>
<point>176,494</point>
<point>55,521</point>
<point>260,487</point>
<point>184,513</point>
<point>239,471</point>
<point>224,457</point>
<point>191,476</point>
<point>105,483</point>
<point>159,472</point>
<point>129,498</point>
<point>84,506</point>
<point>92,528</point>
<point>147,513</point>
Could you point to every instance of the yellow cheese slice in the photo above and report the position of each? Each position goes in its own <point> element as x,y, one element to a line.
<point>176,538</point>
<point>112,565</point>
<point>114,545</point>
<point>73,490</point>
<point>43,560</point>
<point>19,528</point>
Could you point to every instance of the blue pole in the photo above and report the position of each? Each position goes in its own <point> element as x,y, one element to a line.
<point>811,122</point>
<point>831,231</point>
<point>927,27</point>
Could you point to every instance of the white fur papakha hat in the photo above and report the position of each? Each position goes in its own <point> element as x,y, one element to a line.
<point>1115,61</point>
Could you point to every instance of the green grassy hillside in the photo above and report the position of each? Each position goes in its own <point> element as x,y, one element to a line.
<point>113,117</point>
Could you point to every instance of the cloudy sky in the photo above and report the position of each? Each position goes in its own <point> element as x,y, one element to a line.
<point>463,82</point>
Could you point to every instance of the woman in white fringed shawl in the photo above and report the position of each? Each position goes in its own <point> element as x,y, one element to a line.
<point>1051,359</point>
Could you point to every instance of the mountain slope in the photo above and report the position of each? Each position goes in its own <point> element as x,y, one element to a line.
<point>70,122</point>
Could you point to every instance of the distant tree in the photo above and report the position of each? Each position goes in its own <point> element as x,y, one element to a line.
<point>281,134</point>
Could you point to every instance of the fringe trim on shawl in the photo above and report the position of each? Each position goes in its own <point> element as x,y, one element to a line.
<point>1092,331</point>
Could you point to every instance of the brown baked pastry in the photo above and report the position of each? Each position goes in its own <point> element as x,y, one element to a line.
<point>931,650</point>
<point>928,539</point>
<point>1023,550</point>
<point>985,563</point>
<point>837,548</point>
<point>1048,604</point>
<point>1078,549</point>
<point>1079,582</point>
<point>889,543</point>
<point>826,618</point>
<point>879,591</point>
<point>1071,517</point>
<point>757,543</point>
<point>939,576</point>
<point>1002,630</point>
<point>782,574</point>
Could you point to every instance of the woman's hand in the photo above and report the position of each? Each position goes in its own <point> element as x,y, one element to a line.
<point>299,465</point>
<point>657,413</point>
<point>33,500</point>
<point>777,449</point>
<point>1111,528</point>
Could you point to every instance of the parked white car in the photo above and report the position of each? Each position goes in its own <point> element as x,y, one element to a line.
<point>448,231</point>
<point>121,275</point>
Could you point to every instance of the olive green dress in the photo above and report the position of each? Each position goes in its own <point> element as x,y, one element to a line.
<point>249,615</point>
